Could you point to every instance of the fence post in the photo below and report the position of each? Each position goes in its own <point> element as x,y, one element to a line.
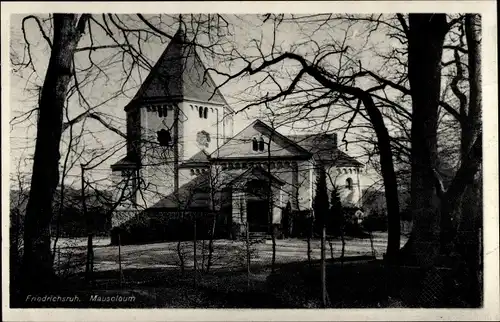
<point>59,260</point>
<point>120,259</point>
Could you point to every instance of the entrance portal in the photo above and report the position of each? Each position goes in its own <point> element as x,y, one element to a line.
<point>257,194</point>
<point>257,214</point>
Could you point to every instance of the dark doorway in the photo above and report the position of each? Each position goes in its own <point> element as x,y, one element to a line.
<point>257,194</point>
<point>257,212</point>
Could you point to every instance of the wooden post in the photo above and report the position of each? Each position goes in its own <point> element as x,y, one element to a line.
<point>59,260</point>
<point>194,250</point>
<point>84,210</point>
<point>323,266</point>
<point>248,255</point>
<point>120,260</point>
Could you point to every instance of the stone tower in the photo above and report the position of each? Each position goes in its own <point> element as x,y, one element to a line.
<point>176,113</point>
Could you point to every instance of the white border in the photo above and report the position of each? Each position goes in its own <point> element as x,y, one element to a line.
<point>487,8</point>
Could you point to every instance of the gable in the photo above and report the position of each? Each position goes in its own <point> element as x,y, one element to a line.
<point>324,149</point>
<point>256,173</point>
<point>240,146</point>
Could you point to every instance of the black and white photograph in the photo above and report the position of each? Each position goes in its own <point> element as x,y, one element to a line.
<point>180,158</point>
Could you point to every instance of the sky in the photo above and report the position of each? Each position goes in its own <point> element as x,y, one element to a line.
<point>303,36</point>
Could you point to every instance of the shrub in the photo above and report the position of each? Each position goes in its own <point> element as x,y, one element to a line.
<point>375,221</point>
<point>150,228</point>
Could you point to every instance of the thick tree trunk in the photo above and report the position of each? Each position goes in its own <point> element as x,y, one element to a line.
<point>37,262</point>
<point>388,175</point>
<point>384,146</point>
<point>469,237</point>
<point>471,128</point>
<point>470,133</point>
<point>425,48</point>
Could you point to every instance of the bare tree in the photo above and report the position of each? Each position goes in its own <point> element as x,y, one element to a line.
<point>319,82</point>
<point>67,36</point>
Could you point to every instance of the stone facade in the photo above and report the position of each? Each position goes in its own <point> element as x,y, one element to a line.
<point>182,153</point>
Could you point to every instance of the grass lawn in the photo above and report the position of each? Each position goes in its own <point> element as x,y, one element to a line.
<point>227,254</point>
<point>151,274</point>
<point>152,277</point>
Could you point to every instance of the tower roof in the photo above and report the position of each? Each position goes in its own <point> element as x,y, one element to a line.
<point>178,74</point>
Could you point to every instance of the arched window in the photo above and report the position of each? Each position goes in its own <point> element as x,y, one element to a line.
<point>164,137</point>
<point>160,111</point>
<point>348,183</point>
<point>205,113</point>
<point>165,110</point>
<point>255,144</point>
<point>200,111</point>
<point>261,144</point>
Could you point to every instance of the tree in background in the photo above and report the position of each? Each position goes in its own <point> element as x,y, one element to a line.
<point>335,222</point>
<point>68,73</point>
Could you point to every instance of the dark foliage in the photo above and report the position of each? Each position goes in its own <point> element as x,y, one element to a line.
<point>336,218</point>
<point>72,222</point>
<point>370,284</point>
<point>150,228</point>
<point>375,221</point>
<point>301,222</point>
<point>320,204</point>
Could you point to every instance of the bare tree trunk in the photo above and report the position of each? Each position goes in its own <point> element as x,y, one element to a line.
<point>181,257</point>
<point>61,196</point>
<point>309,233</point>
<point>323,267</point>
<point>120,271</point>
<point>211,244</point>
<point>342,237</point>
<point>273,261</point>
<point>271,205</point>
<point>469,237</point>
<point>202,267</point>
<point>331,248</point>
<point>371,243</point>
<point>90,249</point>
<point>38,271</point>
<point>425,48</point>
<point>388,176</point>
<point>90,258</point>
<point>247,244</point>
<point>471,128</point>
<point>194,254</point>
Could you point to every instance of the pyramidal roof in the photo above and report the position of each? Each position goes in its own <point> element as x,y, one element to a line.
<point>178,74</point>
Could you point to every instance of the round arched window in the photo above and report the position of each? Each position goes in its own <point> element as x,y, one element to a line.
<point>255,144</point>
<point>261,144</point>
<point>348,184</point>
